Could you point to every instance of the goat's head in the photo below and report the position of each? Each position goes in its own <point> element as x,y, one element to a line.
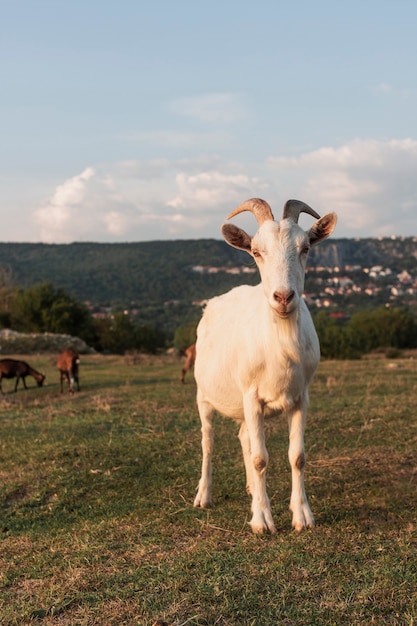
<point>280,249</point>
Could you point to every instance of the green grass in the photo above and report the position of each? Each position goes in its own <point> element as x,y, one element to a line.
<point>97,524</point>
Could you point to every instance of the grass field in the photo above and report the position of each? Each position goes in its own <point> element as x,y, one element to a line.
<point>97,523</point>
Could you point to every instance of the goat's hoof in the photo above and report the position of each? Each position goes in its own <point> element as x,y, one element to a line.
<point>204,505</point>
<point>299,526</point>
<point>260,530</point>
<point>199,503</point>
<point>259,526</point>
<point>257,530</point>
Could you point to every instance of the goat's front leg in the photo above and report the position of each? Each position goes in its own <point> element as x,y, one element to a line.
<point>245,444</point>
<point>261,508</point>
<point>302,515</point>
<point>203,497</point>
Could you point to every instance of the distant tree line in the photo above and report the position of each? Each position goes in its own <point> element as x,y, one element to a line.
<point>45,308</point>
<point>390,329</point>
<point>383,329</point>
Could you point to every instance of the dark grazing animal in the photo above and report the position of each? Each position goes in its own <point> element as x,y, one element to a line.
<point>12,368</point>
<point>68,368</point>
<point>189,361</point>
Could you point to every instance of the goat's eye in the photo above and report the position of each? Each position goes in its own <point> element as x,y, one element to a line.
<point>256,253</point>
<point>305,249</point>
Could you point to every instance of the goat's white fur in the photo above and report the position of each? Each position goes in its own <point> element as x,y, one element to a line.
<point>257,351</point>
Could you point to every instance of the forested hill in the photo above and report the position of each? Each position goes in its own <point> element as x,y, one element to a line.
<point>161,271</point>
<point>102,273</point>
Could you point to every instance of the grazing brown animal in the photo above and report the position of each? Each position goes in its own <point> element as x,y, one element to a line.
<point>68,368</point>
<point>12,368</point>
<point>189,362</point>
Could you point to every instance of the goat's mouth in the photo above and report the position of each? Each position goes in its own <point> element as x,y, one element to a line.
<point>283,311</point>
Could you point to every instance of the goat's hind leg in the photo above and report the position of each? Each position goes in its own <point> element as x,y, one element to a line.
<point>203,497</point>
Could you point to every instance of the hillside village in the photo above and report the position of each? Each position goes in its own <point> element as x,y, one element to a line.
<point>334,286</point>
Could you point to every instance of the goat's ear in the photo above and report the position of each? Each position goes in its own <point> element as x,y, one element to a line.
<point>236,237</point>
<point>322,228</point>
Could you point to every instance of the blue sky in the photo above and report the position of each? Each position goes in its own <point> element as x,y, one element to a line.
<point>134,121</point>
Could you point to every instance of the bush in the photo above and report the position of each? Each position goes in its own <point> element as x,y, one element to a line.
<point>185,336</point>
<point>393,353</point>
<point>43,308</point>
<point>365,332</point>
<point>119,334</point>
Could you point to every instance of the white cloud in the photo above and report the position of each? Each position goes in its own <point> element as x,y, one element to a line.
<point>89,206</point>
<point>116,223</point>
<point>59,215</point>
<point>208,190</point>
<point>370,184</point>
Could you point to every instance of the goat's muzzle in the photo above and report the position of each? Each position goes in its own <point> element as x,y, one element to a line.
<point>284,302</point>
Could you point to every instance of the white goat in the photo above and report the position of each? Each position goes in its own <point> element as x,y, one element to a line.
<point>257,350</point>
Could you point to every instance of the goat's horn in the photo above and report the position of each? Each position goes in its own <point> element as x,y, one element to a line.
<point>293,208</point>
<point>260,209</point>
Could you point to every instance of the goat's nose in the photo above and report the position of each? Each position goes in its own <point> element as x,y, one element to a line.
<point>284,297</point>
